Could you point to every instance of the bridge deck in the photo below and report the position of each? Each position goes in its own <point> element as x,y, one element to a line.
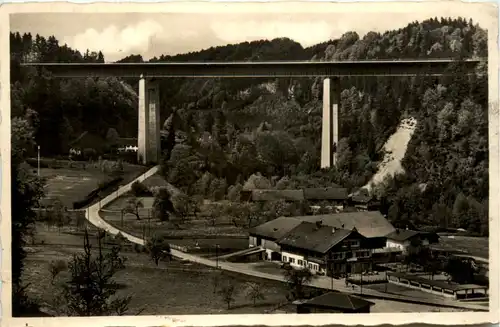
<point>258,69</point>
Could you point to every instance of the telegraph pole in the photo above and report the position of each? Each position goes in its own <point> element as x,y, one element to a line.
<point>216,255</point>
<point>38,161</point>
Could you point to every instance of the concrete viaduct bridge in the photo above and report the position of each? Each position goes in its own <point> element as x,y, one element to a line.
<point>149,150</point>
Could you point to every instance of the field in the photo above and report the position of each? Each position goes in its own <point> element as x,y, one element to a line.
<point>171,288</point>
<point>198,235</point>
<point>70,185</point>
<point>476,246</point>
<point>73,184</point>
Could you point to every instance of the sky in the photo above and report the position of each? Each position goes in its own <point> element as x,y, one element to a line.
<point>120,34</point>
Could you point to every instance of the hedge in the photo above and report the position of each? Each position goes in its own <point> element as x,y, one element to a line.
<point>95,193</point>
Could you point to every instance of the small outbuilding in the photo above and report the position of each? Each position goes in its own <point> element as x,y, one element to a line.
<point>334,302</point>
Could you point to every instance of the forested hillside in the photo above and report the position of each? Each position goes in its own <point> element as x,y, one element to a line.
<point>221,131</point>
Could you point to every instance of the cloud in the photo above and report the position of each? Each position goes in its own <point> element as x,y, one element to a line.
<point>306,33</point>
<point>116,42</point>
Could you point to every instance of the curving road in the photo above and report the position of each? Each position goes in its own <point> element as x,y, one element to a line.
<point>93,216</point>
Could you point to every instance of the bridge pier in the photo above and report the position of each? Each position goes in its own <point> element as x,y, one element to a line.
<point>148,141</point>
<point>329,137</point>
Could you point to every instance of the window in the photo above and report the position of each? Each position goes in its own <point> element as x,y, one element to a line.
<point>284,258</point>
<point>300,262</point>
<point>354,243</point>
<point>292,260</point>
<point>309,266</point>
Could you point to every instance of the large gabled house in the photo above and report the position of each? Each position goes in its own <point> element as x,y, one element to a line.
<point>325,249</point>
<point>372,227</point>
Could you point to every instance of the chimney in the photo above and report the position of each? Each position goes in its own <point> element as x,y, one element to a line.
<point>319,223</point>
<point>343,225</point>
<point>333,230</point>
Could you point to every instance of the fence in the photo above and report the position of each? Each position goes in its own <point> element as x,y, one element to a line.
<point>179,248</point>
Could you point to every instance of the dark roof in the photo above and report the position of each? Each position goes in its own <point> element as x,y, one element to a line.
<point>361,198</point>
<point>275,229</point>
<point>339,300</point>
<point>274,195</point>
<point>368,223</point>
<point>325,193</point>
<point>310,236</point>
<point>88,140</point>
<point>403,234</point>
<point>122,141</point>
<point>406,234</point>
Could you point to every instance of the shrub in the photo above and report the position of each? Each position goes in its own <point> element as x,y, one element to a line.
<point>139,189</point>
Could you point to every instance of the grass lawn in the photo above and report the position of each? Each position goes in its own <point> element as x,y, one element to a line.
<point>70,185</point>
<point>171,288</point>
<point>476,246</point>
<point>73,184</point>
<point>197,234</point>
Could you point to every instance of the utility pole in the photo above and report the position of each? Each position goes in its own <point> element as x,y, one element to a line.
<point>38,161</point>
<point>386,281</point>
<point>361,280</point>
<point>149,221</point>
<point>216,255</point>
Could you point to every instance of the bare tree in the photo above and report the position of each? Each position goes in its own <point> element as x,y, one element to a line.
<point>133,206</point>
<point>254,292</point>
<point>228,293</point>
<point>55,268</point>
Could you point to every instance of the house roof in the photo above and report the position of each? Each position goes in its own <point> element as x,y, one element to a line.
<point>275,229</point>
<point>123,141</point>
<point>361,198</point>
<point>368,223</point>
<point>339,300</point>
<point>274,195</point>
<point>406,234</point>
<point>325,193</point>
<point>88,140</point>
<point>403,234</point>
<point>310,236</point>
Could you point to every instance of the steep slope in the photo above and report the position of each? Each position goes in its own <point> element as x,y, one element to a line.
<point>394,152</point>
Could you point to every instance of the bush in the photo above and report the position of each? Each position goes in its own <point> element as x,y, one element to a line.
<point>103,186</point>
<point>139,189</point>
<point>139,248</point>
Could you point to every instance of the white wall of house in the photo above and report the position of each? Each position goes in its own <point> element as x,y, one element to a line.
<point>298,261</point>
<point>252,241</point>
<point>397,244</point>
<point>402,245</point>
<point>270,245</point>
